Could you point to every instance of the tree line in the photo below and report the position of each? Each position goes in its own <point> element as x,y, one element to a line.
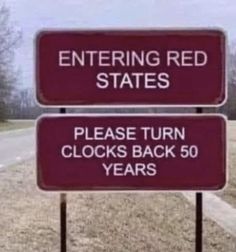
<point>19,103</point>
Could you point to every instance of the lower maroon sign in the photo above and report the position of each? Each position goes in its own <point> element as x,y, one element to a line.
<point>131,152</point>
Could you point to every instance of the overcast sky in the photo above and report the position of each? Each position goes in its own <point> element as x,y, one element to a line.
<point>30,16</point>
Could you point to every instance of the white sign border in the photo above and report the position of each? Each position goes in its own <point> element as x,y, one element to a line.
<point>133,115</point>
<point>141,29</point>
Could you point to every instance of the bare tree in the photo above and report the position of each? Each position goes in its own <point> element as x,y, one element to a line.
<point>9,39</point>
<point>230,106</point>
<point>232,85</point>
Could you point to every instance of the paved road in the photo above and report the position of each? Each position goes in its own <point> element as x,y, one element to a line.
<point>16,145</point>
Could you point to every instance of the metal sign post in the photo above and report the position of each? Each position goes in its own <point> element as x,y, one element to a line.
<point>63,214</point>
<point>198,243</point>
<point>199,213</point>
<point>63,205</point>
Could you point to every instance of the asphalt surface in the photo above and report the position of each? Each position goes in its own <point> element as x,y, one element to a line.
<point>16,145</point>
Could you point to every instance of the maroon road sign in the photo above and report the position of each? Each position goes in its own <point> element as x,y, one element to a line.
<point>131,152</point>
<point>185,67</point>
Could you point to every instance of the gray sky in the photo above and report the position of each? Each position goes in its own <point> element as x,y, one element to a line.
<point>30,16</point>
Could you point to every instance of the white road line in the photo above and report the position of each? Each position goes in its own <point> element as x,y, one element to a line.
<point>218,210</point>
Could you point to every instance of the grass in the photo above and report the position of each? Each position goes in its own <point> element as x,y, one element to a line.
<point>99,222</point>
<point>17,124</point>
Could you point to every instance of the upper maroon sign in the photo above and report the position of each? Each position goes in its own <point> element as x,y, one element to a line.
<point>131,152</point>
<point>131,67</point>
